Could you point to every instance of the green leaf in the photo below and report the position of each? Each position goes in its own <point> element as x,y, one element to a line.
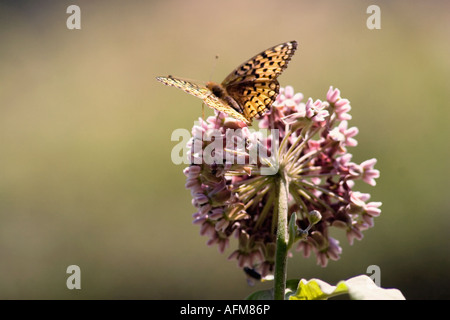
<point>291,287</point>
<point>358,288</point>
<point>316,289</point>
<point>261,295</point>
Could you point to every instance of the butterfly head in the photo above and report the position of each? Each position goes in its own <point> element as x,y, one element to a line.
<point>216,89</point>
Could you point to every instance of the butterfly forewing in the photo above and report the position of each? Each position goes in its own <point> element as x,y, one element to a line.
<point>185,85</point>
<point>266,65</point>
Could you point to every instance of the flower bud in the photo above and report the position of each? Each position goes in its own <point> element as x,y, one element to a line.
<point>314,217</point>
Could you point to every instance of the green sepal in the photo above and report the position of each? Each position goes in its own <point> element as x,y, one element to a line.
<point>293,230</point>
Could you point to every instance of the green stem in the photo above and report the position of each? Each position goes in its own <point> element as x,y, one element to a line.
<point>282,236</point>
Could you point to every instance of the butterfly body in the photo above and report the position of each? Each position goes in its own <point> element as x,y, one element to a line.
<point>220,92</point>
<point>248,91</point>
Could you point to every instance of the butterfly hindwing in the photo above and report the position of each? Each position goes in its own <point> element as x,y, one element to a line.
<point>255,97</point>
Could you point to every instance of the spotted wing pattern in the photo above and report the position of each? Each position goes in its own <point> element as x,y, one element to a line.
<point>203,93</point>
<point>265,66</point>
<point>254,83</point>
<point>255,98</point>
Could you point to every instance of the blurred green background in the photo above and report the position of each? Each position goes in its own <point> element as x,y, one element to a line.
<point>86,176</point>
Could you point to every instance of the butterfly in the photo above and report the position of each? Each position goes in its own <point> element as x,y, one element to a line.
<point>249,90</point>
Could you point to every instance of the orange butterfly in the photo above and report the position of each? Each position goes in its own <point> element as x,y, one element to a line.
<point>249,90</point>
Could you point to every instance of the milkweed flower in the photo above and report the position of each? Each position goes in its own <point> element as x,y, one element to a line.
<point>232,179</point>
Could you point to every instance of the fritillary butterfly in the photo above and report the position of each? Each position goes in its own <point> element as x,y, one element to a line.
<point>249,90</point>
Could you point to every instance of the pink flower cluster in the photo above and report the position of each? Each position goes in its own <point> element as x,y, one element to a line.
<point>236,198</point>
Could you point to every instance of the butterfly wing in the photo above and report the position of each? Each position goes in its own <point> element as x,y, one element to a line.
<point>254,97</point>
<point>254,83</point>
<point>265,66</point>
<point>203,93</point>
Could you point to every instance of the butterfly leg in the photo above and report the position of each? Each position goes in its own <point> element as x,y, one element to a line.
<point>217,117</point>
<point>203,111</point>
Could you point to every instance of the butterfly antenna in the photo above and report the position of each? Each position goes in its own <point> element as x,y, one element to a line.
<point>210,77</point>
<point>214,67</point>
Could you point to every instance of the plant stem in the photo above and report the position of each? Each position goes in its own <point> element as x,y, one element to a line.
<point>282,237</point>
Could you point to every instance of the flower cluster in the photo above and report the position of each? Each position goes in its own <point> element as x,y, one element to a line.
<point>233,175</point>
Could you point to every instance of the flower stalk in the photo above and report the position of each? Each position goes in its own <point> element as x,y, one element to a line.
<point>282,239</point>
